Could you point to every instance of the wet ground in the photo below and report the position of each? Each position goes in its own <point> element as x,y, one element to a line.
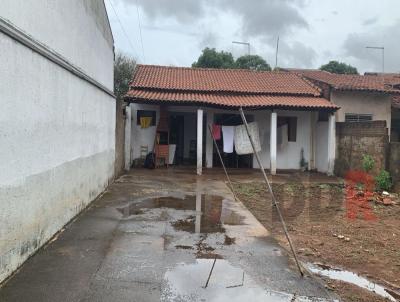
<point>360,257</point>
<point>163,235</point>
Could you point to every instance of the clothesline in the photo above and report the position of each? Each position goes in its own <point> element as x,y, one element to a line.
<point>236,136</point>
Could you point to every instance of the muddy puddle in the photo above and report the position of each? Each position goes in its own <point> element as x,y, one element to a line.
<point>186,282</point>
<point>210,212</point>
<point>350,277</point>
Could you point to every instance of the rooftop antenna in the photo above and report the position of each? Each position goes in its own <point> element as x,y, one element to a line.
<point>276,55</point>
<point>243,43</point>
<point>383,55</point>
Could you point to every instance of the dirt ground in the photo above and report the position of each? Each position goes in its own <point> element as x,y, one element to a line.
<point>317,216</point>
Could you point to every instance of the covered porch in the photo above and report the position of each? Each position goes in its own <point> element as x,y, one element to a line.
<point>309,141</point>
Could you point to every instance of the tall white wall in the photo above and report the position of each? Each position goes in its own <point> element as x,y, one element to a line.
<point>57,131</point>
<point>76,29</point>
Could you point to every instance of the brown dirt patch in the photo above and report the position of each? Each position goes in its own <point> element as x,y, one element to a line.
<point>316,216</point>
<point>229,240</point>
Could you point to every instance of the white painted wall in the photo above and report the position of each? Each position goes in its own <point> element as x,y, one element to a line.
<point>288,157</point>
<point>76,29</point>
<point>142,137</point>
<point>57,132</point>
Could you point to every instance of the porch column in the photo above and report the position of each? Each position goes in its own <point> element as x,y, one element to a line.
<point>128,129</point>
<point>209,140</point>
<point>199,141</point>
<point>274,119</point>
<point>331,143</point>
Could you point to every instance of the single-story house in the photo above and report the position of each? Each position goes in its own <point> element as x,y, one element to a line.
<point>395,132</point>
<point>361,98</point>
<point>173,106</point>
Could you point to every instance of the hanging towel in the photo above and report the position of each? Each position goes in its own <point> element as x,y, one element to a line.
<point>145,122</point>
<point>216,131</point>
<point>228,133</point>
<point>242,141</point>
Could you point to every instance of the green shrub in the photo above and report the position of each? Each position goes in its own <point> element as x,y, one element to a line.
<point>368,163</point>
<point>383,181</point>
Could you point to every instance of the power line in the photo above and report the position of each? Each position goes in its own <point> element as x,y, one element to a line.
<point>140,30</point>
<point>122,27</point>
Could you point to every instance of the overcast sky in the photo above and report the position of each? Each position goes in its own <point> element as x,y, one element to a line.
<point>311,32</point>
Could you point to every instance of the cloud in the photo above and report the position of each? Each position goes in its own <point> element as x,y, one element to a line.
<point>369,59</point>
<point>266,18</point>
<point>259,18</point>
<point>182,10</point>
<point>209,39</point>
<point>296,55</point>
<point>370,21</point>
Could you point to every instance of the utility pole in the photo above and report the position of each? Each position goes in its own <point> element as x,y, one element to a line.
<point>276,55</point>
<point>383,54</point>
<point>243,43</point>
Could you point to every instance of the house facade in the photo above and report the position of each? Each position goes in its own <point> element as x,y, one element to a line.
<point>361,98</point>
<point>57,133</point>
<point>295,122</point>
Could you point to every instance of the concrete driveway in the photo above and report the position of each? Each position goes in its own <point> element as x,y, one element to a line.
<point>154,236</point>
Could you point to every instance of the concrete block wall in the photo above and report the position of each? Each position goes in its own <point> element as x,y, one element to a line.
<point>353,140</point>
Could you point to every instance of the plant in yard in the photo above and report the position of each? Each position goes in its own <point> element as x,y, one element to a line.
<point>303,162</point>
<point>368,163</point>
<point>383,181</point>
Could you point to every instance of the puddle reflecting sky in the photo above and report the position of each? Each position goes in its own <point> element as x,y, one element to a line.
<point>211,212</point>
<point>350,277</point>
<point>186,282</point>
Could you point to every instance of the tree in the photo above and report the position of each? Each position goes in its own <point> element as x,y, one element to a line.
<point>339,68</point>
<point>210,58</point>
<point>123,72</point>
<point>253,62</point>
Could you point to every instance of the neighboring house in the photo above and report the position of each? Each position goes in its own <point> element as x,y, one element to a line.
<point>360,98</point>
<point>392,82</point>
<point>293,117</point>
<point>395,133</point>
<point>57,121</point>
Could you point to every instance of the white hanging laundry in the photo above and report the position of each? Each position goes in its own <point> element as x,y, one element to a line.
<point>242,141</point>
<point>227,136</point>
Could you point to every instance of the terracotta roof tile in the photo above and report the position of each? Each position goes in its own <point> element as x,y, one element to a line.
<point>224,87</point>
<point>396,101</point>
<point>232,100</point>
<point>221,80</point>
<point>377,83</point>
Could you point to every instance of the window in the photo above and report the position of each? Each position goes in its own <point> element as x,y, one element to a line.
<point>291,122</point>
<point>353,117</point>
<point>146,113</point>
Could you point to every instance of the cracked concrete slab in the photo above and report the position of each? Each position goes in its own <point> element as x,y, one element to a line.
<point>153,236</point>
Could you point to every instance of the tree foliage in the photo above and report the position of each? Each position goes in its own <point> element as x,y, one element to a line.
<point>210,58</point>
<point>124,66</point>
<point>339,68</point>
<point>253,62</point>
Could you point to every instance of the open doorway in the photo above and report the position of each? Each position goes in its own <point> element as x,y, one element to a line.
<point>183,134</point>
<point>231,160</point>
